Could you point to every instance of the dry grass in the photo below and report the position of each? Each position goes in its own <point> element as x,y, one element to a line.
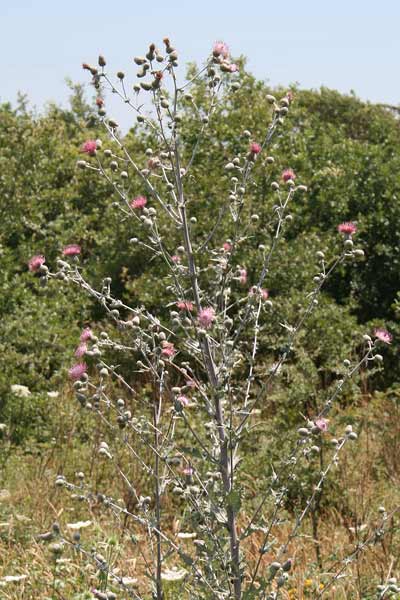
<point>369,475</point>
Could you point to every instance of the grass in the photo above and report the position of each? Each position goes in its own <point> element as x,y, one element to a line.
<point>368,476</point>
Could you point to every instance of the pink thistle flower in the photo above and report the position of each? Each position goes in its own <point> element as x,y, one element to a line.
<point>184,400</point>
<point>139,202</point>
<point>348,228</point>
<point>206,317</point>
<point>86,334</point>
<point>185,305</point>
<point>322,424</point>
<point>188,471</point>
<point>255,148</point>
<point>264,293</point>
<point>383,335</point>
<point>290,96</point>
<point>71,250</point>
<point>81,350</point>
<point>176,259</point>
<point>89,147</point>
<point>77,371</point>
<point>233,68</point>
<point>99,102</point>
<point>168,349</point>
<point>36,262</point>
<point>227,247</point>
<point>288,175</point>
<point>243,276</point>
<point>221,49</point>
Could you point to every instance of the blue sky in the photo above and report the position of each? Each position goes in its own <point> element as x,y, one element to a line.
<point>346,45</point>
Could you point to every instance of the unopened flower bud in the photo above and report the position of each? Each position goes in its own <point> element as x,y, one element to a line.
<point>274,567</point>
<point>287,565</point>
<point>303,432</point>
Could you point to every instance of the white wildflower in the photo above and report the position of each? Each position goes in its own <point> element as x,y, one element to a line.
<point>129,582</point>
<point>173,574</point>
<point>13,578</point>
<point>20,390</point>
<point>79,525</point>
<point>186,536</point>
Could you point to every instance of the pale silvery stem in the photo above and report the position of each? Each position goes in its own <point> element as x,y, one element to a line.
<point>219,416</point>
<point>157,403</point>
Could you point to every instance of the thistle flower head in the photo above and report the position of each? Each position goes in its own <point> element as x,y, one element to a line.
<point>348,228</point>
<point>255,148</point>
<point>185,305</point>
<point>206,317</point>
<point>86,334</point>
<point>138,203</point>
<point>221,49</point>
<point>227,247</point>
<point>264,293</point>
<point>77,371</point>
<point>383,335</point>
<point>81,350</point>
<point>322,424</point>
<point>36,262</point>
<point>290,96</point>
<point>71,250</point>
<point>168,349</point>
<point>89,147</point>
<point>184,400</point>
<point>288,174</point>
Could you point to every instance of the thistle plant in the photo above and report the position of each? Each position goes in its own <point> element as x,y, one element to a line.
<point>181,389</point>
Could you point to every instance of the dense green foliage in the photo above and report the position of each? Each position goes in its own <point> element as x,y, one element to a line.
<point>348,154</point>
